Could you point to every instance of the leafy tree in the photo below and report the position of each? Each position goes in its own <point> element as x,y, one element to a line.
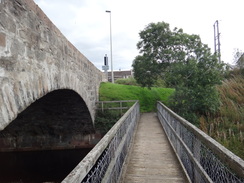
<point>239,58</point>
<point>239,61</point>
<point>185,63</point>
<point>146,72</point>
<point>195,88</point>
<point>160,47</point>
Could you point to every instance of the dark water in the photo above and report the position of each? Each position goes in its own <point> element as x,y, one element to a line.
<point>39,166</point>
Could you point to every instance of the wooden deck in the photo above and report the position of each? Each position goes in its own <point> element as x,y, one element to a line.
<point>151,159</point>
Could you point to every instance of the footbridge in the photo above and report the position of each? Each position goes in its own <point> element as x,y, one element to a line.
<point>136,150</point>
<point>49,90</point>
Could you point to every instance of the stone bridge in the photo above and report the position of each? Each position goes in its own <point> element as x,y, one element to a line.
<point>39,67</point>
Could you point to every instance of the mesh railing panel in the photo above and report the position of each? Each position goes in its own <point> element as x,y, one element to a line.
<point>115,152</point>
<point>111,152</point>
<point>198,155</point>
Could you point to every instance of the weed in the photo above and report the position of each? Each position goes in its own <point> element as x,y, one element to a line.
<point>227,126</point>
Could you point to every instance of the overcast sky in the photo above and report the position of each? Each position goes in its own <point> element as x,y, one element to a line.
<point>86,24</point>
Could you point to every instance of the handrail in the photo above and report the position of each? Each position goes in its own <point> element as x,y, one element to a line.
<point>203,158</point>
<point>113,101</point>
<point>103,105</point>
<point>104,162</point>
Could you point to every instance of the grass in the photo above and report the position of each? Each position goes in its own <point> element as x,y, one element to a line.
<point>147,97</point>
<point>227,126</point>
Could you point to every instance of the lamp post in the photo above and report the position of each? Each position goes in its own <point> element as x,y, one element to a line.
<point>112,73</point>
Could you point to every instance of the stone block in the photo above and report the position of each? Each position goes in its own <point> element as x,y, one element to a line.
<point>17,47</point>
<point>2,39</point>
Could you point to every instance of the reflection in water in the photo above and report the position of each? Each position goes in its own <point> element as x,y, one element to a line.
<point>39,166</point>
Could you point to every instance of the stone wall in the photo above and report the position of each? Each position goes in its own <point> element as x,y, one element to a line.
<point>59,120</point>
<point>35,59</point>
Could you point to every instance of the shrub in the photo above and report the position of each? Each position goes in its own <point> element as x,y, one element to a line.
<point>127,81</point>
<point>105,120</point>
<point>227,126</point>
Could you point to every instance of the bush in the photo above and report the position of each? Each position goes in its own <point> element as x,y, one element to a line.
<point>106,119</point>
<point>195,84</point>
<point>227,126</point>
<point>127,81</point>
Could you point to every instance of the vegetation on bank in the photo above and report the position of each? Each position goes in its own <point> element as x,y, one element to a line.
<point>227,125</point>
<point>106,119</point>
<point>127,91</point>
<point>147,97</point>
<point>181,61</point>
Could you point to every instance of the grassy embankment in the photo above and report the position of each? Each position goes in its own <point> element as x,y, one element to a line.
<point>147,97</point>
<point>227,126</point>
<point>117,92</point>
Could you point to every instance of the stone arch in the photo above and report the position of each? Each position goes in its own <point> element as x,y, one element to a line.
<point>35,59</point>
<point>60,119</point>
<point>16,96</point>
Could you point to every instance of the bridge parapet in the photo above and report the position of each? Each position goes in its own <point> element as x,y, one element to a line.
<point>203,159</point>
<point>35,59</point>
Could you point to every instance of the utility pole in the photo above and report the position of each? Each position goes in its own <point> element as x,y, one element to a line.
<point>217,40</point>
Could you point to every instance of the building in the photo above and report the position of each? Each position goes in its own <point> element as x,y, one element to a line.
<point>120,74</point>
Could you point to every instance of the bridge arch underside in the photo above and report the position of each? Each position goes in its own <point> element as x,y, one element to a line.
<point>58,120</point>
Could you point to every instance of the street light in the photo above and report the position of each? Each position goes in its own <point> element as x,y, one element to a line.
<point>112,73</point>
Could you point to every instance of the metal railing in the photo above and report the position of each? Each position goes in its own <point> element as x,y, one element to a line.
<point>121,105</point>
<point>202,158</point>
<point>104,162</point>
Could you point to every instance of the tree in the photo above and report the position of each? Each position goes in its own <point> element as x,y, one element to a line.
<point>160,46</point>
<point>146,71</point>
<point>184,62</point>
<point>240,61</point>
<point>239,58</point>
<point>195,83</point>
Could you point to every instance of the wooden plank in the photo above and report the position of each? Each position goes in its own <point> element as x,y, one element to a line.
<point>151,158</point>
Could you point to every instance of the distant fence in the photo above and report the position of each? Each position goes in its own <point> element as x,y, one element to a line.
<point>203,159</point>
<point>104,162</point>
<point>121,105</point>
